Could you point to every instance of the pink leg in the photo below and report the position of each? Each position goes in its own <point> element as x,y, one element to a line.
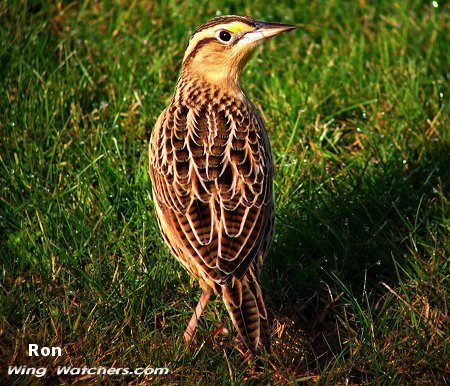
<point>198,311</point>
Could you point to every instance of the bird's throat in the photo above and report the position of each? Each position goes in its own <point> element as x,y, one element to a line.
<point>203,84</point>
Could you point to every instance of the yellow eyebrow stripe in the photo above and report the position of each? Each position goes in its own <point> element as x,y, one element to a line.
<point>237,26</point>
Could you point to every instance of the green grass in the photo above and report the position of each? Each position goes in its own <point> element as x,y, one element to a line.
<point>357,107</point>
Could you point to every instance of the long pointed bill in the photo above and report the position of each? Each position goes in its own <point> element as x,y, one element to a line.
<point>266,30</point>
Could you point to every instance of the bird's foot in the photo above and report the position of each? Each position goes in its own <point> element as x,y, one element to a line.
<point>221,330</point>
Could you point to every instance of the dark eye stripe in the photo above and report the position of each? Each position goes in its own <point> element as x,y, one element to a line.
<point>199,45</point>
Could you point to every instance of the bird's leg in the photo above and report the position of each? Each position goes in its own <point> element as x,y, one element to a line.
<point>206,294</point>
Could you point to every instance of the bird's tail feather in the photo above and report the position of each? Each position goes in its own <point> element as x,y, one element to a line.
<point>244,302</point>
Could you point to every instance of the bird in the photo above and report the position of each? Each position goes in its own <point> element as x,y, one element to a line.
<point>212,171</point>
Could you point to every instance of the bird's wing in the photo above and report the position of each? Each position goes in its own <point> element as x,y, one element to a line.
<point>212,170</point>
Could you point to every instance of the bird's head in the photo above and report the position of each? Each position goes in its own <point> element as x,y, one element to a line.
<point>219,49</point>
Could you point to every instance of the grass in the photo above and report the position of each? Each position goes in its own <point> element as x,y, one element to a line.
<point>358,279</point>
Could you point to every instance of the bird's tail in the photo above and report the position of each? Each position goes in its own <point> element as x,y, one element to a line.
<point>244,302</point>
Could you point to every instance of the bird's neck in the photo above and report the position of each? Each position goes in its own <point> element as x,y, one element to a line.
<point>197,90</point>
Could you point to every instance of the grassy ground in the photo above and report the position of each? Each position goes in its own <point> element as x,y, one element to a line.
<point>358,279</point>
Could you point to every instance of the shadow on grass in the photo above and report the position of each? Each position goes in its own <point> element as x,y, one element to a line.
<point>346,239</point>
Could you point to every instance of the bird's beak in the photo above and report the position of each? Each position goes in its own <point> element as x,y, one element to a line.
<point>265,30</point>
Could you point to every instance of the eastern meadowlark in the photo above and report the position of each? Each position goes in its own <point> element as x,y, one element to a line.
<point>212,171</point>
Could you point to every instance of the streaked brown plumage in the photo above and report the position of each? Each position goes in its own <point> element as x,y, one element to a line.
<point>212,171</point>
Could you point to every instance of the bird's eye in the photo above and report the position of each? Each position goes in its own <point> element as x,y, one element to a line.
<point>225,36</point>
